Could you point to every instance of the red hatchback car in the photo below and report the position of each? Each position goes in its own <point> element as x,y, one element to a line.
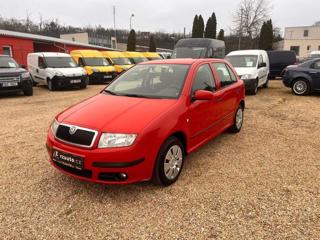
<point>145,122</point>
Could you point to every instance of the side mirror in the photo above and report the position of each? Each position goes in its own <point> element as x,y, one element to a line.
<point>261,65</point>
<point>202,95</point>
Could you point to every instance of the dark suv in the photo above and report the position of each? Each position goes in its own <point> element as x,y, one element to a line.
<point>13,78</point>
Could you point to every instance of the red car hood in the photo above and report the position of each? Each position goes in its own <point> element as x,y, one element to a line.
<point>118,114</point>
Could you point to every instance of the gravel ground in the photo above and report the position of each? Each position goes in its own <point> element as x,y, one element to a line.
<point>260,184</point>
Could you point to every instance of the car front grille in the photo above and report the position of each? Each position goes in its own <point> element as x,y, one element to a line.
<point>78,136</point>
<point>10,79</point>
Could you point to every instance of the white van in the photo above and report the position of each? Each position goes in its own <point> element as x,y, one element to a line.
<point>253,68</point>
<point>57,70</point>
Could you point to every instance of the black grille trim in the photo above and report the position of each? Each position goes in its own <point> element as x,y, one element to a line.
<point>83,137</point>
<point>83,173</point>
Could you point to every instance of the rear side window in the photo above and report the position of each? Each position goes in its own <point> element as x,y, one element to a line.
<point>225,74</point>
<point>204,79</point>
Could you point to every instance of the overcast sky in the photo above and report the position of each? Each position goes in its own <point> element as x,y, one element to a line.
<point>151,15</point>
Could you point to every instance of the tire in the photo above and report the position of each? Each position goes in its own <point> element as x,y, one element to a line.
<point>255,90</point>
<point>169,162</point>
<point>300,87</point>
<point>238,120</point>
<point>28,91</point>
<point>84,84</point>
<point>266,84</point>
<point>51,85</point>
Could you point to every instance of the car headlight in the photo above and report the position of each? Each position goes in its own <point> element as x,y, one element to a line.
<point>54,126</point>
<point>25,75</point>
<point>95,70</point>
<point>246,76</point>
<point>113,140</point>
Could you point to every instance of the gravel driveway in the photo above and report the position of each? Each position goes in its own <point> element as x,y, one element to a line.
<point>260,184</point>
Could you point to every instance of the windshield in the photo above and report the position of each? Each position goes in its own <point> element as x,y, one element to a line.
<point>244,61</point>
<point>150,81</point>
<point>189,52</point>
<point>96,62</point>
<point>121,61</point>
<point>60,62</point>
<point>8,62</point>
<point>137,60</point>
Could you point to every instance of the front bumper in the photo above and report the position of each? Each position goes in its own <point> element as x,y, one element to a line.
<point>23,84</point>
<point>102,77</point>
<point>63,81</point>
<point>105,165</point>
<point>250,84</point>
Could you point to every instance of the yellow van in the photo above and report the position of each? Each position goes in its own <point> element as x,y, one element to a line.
<point>119,60</point>
<point>98,68</point>
<point>135,57</point>
<point>152,55</point>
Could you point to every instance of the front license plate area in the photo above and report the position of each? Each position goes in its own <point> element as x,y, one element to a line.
<point>108,76</point>
<point>9,84</point>
<point>75,81</point>
<point>68,159</point>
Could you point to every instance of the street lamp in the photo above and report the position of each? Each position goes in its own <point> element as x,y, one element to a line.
<point>132,15</point>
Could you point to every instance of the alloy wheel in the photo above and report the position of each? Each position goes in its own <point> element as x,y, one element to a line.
<point>173,162</point>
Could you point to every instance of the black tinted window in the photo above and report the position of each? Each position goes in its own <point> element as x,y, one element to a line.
<point>204,79</point>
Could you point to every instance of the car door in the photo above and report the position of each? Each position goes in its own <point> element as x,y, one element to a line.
<point>41,70</point>
<point>315,74</point>
<point>262,70</point>
<point>229,90</point>
<point>203,115</point>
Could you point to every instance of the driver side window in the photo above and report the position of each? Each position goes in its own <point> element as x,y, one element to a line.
<point>204,79</point>
<point>316,65</point>
<point>41,63</point>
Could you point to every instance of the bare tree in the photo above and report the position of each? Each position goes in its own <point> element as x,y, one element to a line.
<point>249,18</point>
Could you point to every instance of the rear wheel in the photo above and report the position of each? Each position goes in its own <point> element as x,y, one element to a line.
<point>169,162</point>
<point>266,84</point>
<point>238,120</point>
<point>300,87</point>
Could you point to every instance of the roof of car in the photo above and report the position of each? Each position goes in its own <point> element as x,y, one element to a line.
<point>242,52</point>
<point>51,54</point>
<point>187,61</point>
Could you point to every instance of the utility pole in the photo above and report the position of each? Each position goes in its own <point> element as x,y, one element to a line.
<point>184,32</point>
<point>240,28</point>
<point>114,22</point>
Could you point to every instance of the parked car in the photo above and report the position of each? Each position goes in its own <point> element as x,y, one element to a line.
<point>279,60</point>
<point>315,54</point>
<point>199,48</point>
<point>98,68</point>
<point>304,78</point>
<point>56,70</point>
<point>135,57</point>
<point>252,67</point>
<point>13,78</point>
<point>152,56</point>
<point>153,115</point>
<point>118,60</point>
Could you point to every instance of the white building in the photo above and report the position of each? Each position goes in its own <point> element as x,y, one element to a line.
<point>302,40</point>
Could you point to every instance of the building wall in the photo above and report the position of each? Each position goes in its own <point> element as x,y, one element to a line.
<point>307,39</point>
<point>20,48</point>
<point>76,37</point>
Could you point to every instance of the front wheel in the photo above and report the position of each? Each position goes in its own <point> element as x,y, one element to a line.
<point>28,91</point>
<point>238,120</point>
<point>169,162</point>
<point>254,90</point>
<point>51,85</point>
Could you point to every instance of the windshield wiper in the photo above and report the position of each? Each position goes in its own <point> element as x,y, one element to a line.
<point>136,96</point>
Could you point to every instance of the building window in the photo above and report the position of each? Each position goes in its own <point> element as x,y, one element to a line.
<point>306,33</point>
<point>7,50</point>
<point>73,39</point>
<point>296,49</point>
<point>319,48</point>
<point>308,47</point>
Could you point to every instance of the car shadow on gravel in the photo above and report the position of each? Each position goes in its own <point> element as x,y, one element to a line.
<point>12,95</point>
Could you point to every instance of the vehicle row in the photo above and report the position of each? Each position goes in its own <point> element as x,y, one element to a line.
<point>60,70</point>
